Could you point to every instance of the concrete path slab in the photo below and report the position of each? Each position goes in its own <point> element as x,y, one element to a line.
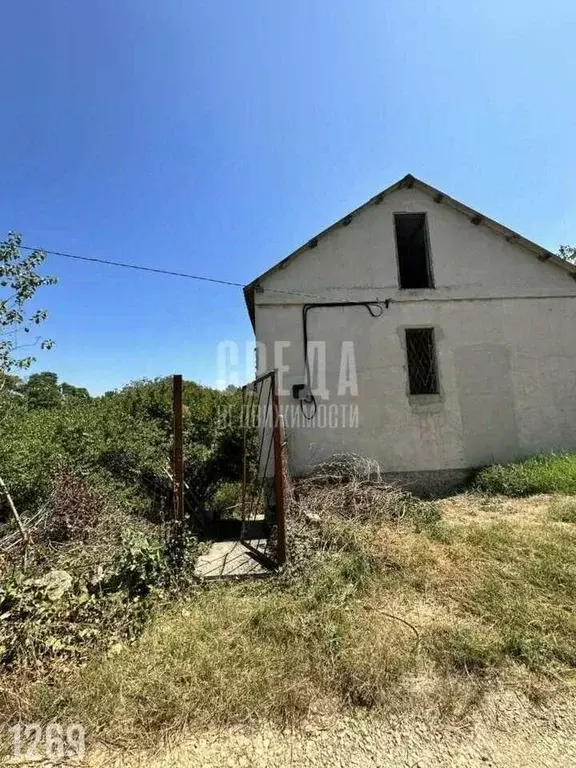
<point>230,558</point>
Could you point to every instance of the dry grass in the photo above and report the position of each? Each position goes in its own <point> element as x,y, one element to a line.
<point>389,602</point>
<point>230,655</point>
<point>563,510</point>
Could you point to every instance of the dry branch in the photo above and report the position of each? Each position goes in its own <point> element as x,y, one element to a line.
<point>13,510</point>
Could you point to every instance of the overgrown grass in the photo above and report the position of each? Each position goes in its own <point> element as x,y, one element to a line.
<point>232,654</point>
<point>397,608</point>
<point>563,511</point>
<point>513,589</point>
<point>549,473</point>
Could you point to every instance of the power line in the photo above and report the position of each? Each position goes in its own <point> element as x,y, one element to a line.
<point>140,267</point>
<point>158,271</point>
<point>187,275</point>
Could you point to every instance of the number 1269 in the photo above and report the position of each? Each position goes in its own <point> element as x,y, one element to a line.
<point>32,741</point>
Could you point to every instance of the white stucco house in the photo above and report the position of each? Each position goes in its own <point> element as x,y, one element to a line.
<point>437,339</point>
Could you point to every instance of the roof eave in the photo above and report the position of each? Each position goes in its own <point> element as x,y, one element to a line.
<point>439,197</point>
<point>249,299</point>
<point>408,179</point>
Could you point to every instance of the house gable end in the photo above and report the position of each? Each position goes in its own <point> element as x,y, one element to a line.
<point>470,253</point>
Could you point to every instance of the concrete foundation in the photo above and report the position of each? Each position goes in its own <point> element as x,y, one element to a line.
<point>430,484</point>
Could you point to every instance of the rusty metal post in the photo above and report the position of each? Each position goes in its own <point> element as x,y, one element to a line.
<point>178,452</point>
<point>278,471</point>
<point>244,453</point>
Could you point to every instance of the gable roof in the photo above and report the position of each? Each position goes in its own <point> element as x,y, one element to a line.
<point>409,182</point>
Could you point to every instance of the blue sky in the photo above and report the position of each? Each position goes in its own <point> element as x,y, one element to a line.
<point>215,137</point>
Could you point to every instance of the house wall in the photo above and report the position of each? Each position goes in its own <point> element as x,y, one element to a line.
<point>506,346</point>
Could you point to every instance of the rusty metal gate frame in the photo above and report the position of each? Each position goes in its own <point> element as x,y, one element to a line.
<point>264,494</point>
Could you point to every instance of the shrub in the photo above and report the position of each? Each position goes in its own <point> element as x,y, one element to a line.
<point>227,500</point>
<point>90,474</point>
<point>551,473</point>
<point>121,443</point>
<point>72,510</point>
<point>56,616</point>
<point>141,566</point>
<point>80,437</point>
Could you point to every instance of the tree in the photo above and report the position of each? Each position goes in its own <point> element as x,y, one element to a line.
<point>70,392</point>
<point>19,281</point>
<point>568,252</point>
<point>43,391</point>
<point>12,399</point>
<point>13,384</point>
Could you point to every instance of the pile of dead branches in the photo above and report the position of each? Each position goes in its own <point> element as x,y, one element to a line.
<point>351,487</point>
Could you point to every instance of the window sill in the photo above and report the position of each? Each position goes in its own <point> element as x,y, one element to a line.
<point>416,291</point>
<point>426,403</point>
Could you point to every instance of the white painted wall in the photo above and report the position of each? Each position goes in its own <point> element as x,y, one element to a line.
<point>505,326</point>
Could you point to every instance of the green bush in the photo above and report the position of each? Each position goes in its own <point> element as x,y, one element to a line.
<point>99,468</point>
<point>227,500</point>
<point>142,564</point>
<point>547,473</point>
<point>56,615</point>
<point>122,443</point>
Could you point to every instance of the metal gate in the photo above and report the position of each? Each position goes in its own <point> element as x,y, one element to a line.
<point>264,483</point>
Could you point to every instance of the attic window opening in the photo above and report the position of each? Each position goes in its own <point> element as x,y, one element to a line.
<point>421,359</point>
<point>413,249</point>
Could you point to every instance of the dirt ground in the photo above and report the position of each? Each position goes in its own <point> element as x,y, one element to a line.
<point>506,731</point>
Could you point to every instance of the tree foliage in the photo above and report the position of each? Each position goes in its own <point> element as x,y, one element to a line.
<point>121,441</point>
<point>568,252</point>
<point>70,392</point>
<point>19,281</point>
<point>42,390</point>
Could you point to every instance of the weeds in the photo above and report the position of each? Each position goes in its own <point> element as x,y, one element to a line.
<point>89,478</point>
<point>73,509</point>
<point>88,582</point>
<point>551,473</point>
<point>381,590</point>
<point>236,653</point>
<point>226,502</point>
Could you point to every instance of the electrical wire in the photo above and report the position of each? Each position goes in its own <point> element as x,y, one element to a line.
<point>171,273</point>
<point>375,308</point>
<point>140,267</point>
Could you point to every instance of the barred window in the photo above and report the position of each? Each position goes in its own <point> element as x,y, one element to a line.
<point>421,357</point>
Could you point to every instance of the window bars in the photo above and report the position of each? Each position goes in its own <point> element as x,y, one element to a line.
<point>421,357</point>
